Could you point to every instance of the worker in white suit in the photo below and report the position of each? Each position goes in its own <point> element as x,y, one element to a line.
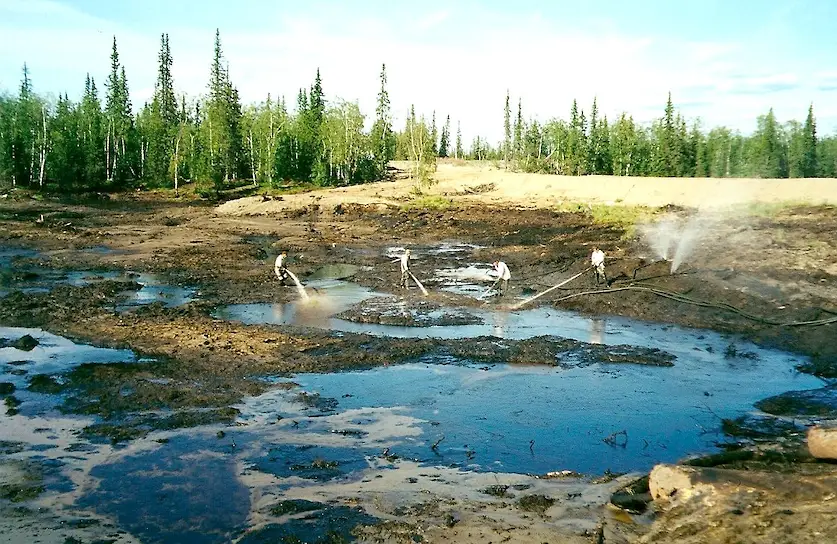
<point>503,276</point>
<point>597,259</point>
<point>279,267</point>
<point>405,268</point>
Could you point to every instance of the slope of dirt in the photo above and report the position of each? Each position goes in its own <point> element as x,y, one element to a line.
<point>487,184</point>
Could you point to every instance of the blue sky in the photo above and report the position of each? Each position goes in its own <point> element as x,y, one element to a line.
<point>725,62</point>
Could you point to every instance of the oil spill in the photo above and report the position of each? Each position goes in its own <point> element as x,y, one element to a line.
<point>513,418</point>
<point>182,492</point>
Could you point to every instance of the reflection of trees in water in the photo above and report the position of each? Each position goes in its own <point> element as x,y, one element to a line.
<point>597,330</point>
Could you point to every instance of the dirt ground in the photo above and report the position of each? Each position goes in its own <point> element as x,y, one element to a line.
<point>777,264</point>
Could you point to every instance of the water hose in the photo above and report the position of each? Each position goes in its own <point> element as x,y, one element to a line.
<point>702,303</point>
<point>530,299</point>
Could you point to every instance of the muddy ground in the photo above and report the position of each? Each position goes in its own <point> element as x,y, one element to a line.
<point>778,267</point>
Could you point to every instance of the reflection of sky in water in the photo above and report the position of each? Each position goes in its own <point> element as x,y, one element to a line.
<point>152,290</point>
<point>32,278</point>
<point>495,413</point>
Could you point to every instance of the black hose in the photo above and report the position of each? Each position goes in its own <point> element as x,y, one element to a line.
<point>702,303</point>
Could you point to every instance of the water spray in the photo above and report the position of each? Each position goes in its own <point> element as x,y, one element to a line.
<point>420,286</point>
<point>302,294</point>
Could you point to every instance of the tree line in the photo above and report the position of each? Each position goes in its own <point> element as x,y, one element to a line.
<point>670,146</point>
<point>98,144</point>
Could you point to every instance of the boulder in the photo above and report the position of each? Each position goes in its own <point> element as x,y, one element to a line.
<point>822,442</point>
<point>670,481</point>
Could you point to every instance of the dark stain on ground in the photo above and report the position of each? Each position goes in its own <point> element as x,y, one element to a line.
<point>326,525</point>
<point>173,495</point>
<point>817,402</point>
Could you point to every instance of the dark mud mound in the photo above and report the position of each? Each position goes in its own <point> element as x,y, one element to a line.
<point>555,351</point>
<point>323,525</point>
<point>407,313</point>
<point>815,402</point>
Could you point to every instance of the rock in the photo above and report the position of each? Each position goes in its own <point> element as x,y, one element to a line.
<point>7,388</point>
<point>822,442</point>
<point>24,343</point>
<point>668,481</point>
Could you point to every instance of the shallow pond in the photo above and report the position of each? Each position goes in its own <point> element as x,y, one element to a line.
<point>494,412</point>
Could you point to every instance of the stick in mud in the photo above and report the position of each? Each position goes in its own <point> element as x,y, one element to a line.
<point>530,299</point>
<point>420,286</point>
<point>299,286</point>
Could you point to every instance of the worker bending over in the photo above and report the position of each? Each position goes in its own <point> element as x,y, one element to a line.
<point>279,267</point>
<point>597,259</point>
<point>503,276</point>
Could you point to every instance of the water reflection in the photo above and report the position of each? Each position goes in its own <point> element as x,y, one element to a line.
<point>597,330</point>
<point>500,322</point>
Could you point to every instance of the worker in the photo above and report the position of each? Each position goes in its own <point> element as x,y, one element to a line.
<point>597,259</point>
<point>503,276</point>
<point>279,267</point>
<point>405,268</point>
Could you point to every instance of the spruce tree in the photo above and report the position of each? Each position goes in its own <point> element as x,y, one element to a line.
<point>434,136</point>
<point>507,135</point>
<point>91,131</point>
<point>809,135</point>
<point>119,119</point>
<point>518,132</point>
<point>221,126</point>
<point>458,149</point>
<point>444,142</point>
<point>383,137</point>
<point>163,121</point>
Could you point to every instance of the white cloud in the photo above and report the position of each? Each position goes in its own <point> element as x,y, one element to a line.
<point>464,73</point>
<point>432,20</point>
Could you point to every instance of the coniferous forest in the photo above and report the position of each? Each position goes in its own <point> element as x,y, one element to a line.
<point>100,144</point>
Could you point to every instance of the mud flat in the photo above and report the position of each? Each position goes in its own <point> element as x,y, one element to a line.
<point>176,392</point>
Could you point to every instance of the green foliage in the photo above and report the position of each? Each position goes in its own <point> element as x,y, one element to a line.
<point>668,147</point>
<point>382,137</point>
<point>99,143</point>
<point>422,202</point>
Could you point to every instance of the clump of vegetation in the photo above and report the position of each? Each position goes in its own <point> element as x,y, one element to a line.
<point>496,490</point>
<point>535,503</point>
<point>295,506</point>
<point>428,203</point>
<point>44,383</point>
<point>732,352</point>
<point>11,405</point>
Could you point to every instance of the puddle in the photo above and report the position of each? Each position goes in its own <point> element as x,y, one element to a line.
<point>456,250</point>
<point>487,417</point>
<point>30,277</point>
<point>472,280</point>
<point>53,355</point>
<point>152,290</point>
<point>333,431</point>
<point>181,492</point>
<point>327,298</point>
<point>333,272</point>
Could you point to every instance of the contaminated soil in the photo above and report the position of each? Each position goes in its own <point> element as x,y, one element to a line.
<point>778,265</point>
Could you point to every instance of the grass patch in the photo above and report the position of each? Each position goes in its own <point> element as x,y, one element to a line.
<point>768,209</point>
<point>428,203</point>
<point>624,217</point>
<point>535,503</point>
